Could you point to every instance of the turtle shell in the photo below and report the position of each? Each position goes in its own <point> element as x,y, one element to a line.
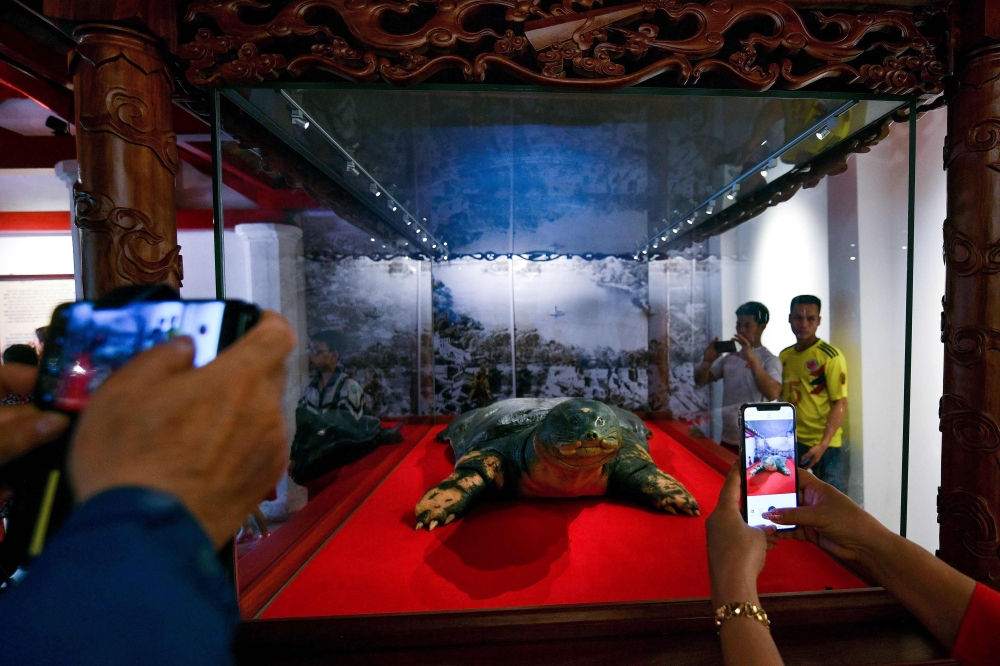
<point>490,427</point>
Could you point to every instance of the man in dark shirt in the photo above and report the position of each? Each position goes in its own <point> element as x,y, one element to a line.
<point>166,463</point>
<point>333,424</point>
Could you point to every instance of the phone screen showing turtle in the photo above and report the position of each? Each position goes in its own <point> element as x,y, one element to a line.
<point>769,461</point>
<point>93,343</point>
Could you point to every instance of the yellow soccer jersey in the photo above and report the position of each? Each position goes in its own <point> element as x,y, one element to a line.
<point>812,380</point>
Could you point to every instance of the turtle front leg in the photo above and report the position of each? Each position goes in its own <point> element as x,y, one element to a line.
<point>477,475</point>
<point>636,477</point>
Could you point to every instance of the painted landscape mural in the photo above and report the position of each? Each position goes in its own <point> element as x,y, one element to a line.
<point>625,332</point>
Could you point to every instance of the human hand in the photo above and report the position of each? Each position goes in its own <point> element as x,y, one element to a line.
<point>736,551</point>
<point>23,427</point>
<point>812,456</point>
<point>829,519</point>
<point>746,347</point>
<point>214,437</point>
<point>710,354</point>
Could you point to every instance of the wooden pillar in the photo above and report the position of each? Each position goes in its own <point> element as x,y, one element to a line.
<point>969,497</point>
<point>127,154</point>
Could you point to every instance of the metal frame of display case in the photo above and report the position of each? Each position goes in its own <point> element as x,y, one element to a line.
<point>452,633</point>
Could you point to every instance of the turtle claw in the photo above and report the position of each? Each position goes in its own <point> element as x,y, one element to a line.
<point>450,518</point>
<point>430,528</point>
<point>669,509</point>
<point>419,526</point>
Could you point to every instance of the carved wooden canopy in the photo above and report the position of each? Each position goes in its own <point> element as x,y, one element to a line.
<point>576,44</point>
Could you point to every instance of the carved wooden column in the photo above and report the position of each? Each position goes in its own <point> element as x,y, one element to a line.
<point>127,154</point>
<point>969,497</point>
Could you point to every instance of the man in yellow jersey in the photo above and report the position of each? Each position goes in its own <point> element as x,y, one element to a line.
<point>814,379</point>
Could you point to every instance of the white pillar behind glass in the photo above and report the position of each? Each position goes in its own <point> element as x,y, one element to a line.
<point>274,274</point>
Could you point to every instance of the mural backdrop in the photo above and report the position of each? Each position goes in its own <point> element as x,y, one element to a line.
<point>626,332</point>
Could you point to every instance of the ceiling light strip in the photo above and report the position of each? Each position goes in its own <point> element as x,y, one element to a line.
<point>733,187</point>
<point>434,246</point>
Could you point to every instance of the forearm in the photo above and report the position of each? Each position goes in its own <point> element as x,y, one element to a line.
<point>936,594</point>
<point>131,578</point>
<point>745,641</point>
<point>834,420</point>
<point>766,384</point>
<point>703,374</point>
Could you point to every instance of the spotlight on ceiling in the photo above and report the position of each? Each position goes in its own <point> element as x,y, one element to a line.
<point>823,132</point>
<point>352,167</point>
<point>710,208</point>
<point>299,119</point>
<point>733,192</point>
<point>770,166</point>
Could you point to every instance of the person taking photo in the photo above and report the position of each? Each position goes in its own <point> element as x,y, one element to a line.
<point>753,374</point>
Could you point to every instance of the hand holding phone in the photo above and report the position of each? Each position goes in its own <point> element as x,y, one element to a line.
<point>85,344</point>
<point>769,472</point>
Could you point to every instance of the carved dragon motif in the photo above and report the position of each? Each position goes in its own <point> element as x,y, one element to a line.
<point>131,238</point>
<point>972,429</point>
<point>576,45</point>
<point>969,514</point>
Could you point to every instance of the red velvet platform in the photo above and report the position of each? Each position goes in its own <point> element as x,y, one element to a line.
<point>526,552</point>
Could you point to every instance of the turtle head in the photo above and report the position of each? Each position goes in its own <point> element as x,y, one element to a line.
<point>579,434</point>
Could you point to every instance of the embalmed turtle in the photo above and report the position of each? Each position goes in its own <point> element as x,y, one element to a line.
<point>772,464</point>
<point>560,447</point>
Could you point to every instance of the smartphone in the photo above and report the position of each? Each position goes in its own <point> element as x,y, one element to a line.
<point>86,343</point>
<point>770,476</point>
<point>725,346</point>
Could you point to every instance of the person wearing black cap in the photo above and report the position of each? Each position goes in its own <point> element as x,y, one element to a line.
<point>753,374</point>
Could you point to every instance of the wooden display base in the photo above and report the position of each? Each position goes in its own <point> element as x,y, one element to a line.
<point>859,626</point>
<point>843,627</point>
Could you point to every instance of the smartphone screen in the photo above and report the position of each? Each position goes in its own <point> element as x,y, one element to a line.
<point>88,344</point>
<point>770,479</point>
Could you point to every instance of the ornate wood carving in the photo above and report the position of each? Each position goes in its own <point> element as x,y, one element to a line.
<point>970,517</point>
<point>970,409</point>
<point>127,152</point>
<point>755,44</point>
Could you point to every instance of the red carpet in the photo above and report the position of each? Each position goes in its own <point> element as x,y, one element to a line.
<point>771,483</point>
<point>527,552</point>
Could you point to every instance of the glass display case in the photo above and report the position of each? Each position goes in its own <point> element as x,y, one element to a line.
<point>441,249</point>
